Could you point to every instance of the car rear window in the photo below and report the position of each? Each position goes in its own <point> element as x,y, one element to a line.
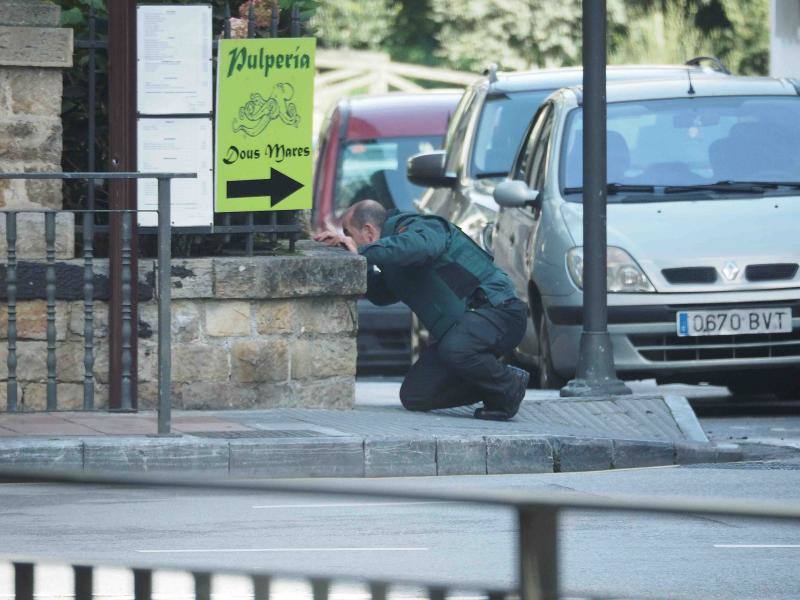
<point>693,141</point>
<point>376,170</point>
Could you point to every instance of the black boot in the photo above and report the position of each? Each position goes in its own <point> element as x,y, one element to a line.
<point>510,406</point>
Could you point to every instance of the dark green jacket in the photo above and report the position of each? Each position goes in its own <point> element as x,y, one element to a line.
<point>433,267</point>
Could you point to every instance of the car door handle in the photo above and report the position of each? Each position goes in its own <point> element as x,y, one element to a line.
<point>512,238</point>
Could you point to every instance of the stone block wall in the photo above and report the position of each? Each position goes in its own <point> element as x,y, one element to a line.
<point>33,52</point>
<point>256,332</point>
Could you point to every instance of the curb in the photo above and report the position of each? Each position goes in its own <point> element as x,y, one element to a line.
<point>357,457</point>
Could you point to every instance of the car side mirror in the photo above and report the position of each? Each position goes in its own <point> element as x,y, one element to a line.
<point>427,170</point>
<point>516,194</point>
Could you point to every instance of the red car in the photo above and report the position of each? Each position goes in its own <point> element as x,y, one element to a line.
<point>363,148</point>
<point>365,143</point>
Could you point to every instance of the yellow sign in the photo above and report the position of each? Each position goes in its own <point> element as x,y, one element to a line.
<point>265,101</point>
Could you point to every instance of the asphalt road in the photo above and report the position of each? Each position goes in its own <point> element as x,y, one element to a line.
<point>462,546</point>
<point>449,543</point>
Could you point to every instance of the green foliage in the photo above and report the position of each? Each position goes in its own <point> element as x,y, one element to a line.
<point>734,31</point>
<point>660,37</point>
<point>413,35</point>
<point>744,45</point>
<point>515,34</point>
<point>354,23</point>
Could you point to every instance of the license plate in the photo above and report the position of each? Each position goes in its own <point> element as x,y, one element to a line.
<point>734,322</point>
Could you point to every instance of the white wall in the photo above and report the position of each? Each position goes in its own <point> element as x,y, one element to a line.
<point>785,38</point>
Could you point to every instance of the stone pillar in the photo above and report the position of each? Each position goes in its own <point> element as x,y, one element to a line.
<point>33,51</point>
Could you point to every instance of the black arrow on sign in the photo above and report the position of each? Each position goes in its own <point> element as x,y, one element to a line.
<point>278,187</point>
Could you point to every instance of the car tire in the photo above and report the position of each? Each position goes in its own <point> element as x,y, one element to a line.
<point>548,378</point>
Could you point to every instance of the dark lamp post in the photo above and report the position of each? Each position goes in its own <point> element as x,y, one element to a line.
<point>596,375</point>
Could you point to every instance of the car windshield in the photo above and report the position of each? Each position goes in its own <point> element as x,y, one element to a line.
<point>376,170</point>
<point>500,131</point>
<point>692,147</point>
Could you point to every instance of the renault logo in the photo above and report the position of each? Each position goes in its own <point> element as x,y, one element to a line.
<point>730,270</point>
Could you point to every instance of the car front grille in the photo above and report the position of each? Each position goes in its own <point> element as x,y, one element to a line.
<point>671,348</point>
<point>688,275</point>
<point>776,272</point>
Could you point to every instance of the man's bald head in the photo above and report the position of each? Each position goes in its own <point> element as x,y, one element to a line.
<point>367,211</point>
<point>364,221</point>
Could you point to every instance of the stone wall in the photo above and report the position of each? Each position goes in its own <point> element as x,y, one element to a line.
<point>33,52</point>
<point>247,332</point>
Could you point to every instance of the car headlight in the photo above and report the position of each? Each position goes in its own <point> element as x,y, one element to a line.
<point>623,275</point>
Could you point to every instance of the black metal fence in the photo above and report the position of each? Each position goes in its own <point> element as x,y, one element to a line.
<point>164,290</point>
<point>538,537</point>
<point>240,233</point>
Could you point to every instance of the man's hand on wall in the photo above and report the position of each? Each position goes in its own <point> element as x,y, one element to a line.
<point>331,238</point>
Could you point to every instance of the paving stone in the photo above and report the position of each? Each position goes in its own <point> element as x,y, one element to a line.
<point>399,457</point>
<point>200,362</point>
<point>275,316</point>
<point>461,456</point>
<point>304,457</point>
<point>32,320</point>
<point>256,361</point>
<point>192,278</point>
<point>30,138</point>
<point>69,396</point>
<point>36,92</point>
<point>307,315</point>
<point>729,453</point>
<point>573,454</point>
<point>687,453</point>
<point>29,12</point>
<point>318,272</point>
<point>30,231</point>
<point>152,454</point>
<point>227,319</point>
<point>35,46</point>
<point>518,454</point>
<point>323,357</point>
<point>41,454</point>
<point>630,454</point>
<point>334,392</point>
<point>213,395</point>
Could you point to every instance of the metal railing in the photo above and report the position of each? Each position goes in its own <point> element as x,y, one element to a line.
<point>164,291</point>
<point>538,517</point>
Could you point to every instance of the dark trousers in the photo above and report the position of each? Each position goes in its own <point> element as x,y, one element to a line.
<point>464,367</point>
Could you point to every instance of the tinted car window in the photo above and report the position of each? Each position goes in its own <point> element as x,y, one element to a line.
<point>693,141</point>
<point>456,136</point>
<point>499,132</point>
<point>539,160</point>
<point>376,170</point>
<point>523,165</point>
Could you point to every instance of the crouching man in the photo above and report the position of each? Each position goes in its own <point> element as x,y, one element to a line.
<point>467,304</point>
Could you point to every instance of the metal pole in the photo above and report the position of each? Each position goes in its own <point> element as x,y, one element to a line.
<point>538,554</point>
<point>596,375</point>
<point>164,300</point>
<point>122,194</point>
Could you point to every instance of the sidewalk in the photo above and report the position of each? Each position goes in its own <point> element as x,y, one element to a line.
<point>377,439</point>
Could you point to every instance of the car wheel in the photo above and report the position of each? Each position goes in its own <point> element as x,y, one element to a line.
<point>548,378</point>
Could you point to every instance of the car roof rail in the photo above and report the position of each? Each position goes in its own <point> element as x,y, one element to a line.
<point>491,73</point>
<point>716,63</point>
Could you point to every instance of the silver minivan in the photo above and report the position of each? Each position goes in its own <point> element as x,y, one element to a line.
<point>703,232</point>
